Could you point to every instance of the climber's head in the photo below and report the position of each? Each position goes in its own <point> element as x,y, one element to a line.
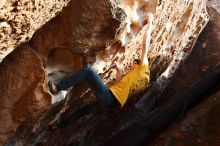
<point>135,64</point>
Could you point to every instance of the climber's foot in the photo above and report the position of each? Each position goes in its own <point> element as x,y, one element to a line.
<point>54,89</point>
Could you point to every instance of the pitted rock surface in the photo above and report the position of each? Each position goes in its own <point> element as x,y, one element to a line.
<point>104,32</point>
<point>20,19</point>
<point>24,96</point>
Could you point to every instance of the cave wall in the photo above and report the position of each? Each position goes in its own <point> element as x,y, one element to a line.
<point>200,125</point>
<point>100,32</point>
<point>20,19</point>
<point>176,27</point>
<point>83,27</point>
<point>63,39</point>
<point>94,31</point>
<point>24,96</point>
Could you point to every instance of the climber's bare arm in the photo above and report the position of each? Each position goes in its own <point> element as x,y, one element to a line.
<point>146,39</point>
<point>118,73</point>
<point>118,76</point>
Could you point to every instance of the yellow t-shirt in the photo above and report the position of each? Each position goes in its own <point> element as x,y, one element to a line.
<point>133,82</point>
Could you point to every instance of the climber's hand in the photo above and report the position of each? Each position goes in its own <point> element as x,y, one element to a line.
<point>149,18</point>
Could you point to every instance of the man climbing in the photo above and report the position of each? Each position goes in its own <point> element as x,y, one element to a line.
<point>134,81</point>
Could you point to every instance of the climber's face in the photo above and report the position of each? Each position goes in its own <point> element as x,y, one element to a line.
<point>134,65</point>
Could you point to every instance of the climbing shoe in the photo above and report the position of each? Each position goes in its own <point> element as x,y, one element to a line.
<point>54,89</point>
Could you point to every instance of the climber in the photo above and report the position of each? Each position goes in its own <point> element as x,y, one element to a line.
<point>134,81</point>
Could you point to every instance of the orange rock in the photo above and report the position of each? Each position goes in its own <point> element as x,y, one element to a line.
<point>24,96</point>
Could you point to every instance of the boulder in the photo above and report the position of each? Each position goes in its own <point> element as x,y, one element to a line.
<point>24,95</point>
<point>20,19</point>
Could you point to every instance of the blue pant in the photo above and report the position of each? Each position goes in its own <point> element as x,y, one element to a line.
<point>95,83</point>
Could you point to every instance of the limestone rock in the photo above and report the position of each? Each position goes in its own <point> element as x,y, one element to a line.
<point>83,27</point>
<point>24,95</point>
<point>91,30</point>
<point>88,28</point>
<point>200,125</point>
<point>176,27</point>
<point>20,19</point>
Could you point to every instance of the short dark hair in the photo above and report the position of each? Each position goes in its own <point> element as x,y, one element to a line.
<point>138,61</point>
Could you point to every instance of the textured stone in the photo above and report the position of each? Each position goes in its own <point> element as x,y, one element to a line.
<point>82,27</point>
<point>199,126</point>
<point>87,28</point>
<point>20,19</point>
<point>176,26</point>
<point>23,91</point>
<point>92,31</point>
